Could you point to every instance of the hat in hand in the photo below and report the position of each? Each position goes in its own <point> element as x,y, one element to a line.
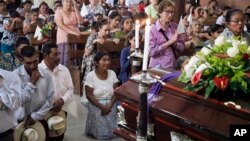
<point>35,132</point>
<point>56,123</point>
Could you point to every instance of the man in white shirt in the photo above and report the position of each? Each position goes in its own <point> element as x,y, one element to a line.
<point>36,3</point>
<point>39,83</point>
<point>64,88</point>
<point>90,10</point>
<point>221,19</point>
<point>110,3</point>
<point>10,89</point>
<point>130,3</point>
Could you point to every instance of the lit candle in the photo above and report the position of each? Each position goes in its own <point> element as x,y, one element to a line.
<point>146,46</point>
<point>137,30</point>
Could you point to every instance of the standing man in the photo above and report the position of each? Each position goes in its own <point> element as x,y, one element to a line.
<point>39,83</point>
<point>92,9</point>
<point>10,88</point>
<point>63,82</point>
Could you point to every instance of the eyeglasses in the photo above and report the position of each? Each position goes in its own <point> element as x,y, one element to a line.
<point>239,21</point>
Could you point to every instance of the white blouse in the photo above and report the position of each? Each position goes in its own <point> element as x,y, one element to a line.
<point>103,89</point>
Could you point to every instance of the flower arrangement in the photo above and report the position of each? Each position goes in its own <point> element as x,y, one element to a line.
<point>120,34</point>
<point>225,66</point>
<point>46,30</point>
<point>86,26</point>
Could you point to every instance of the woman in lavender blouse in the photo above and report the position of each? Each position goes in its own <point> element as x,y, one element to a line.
<point>163,52</point>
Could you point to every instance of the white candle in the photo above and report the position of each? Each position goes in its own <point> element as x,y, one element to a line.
<point>137,30</point>
<point>146,45</point>
<point>195,1</point>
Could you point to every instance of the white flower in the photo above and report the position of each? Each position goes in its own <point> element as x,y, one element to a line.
<point>248,49</point>
<point>243,43</point>
<point>189,70</point>
<point>235,43</point>
<point>232,51</point>
<point>219,41</point>
<point>193,61</point>
<point>202,67</point>
<point>205,51</point>
<point>229,41</point>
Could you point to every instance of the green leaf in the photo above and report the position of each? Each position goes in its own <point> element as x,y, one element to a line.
<point>209,89</point>
<point>183,78</point>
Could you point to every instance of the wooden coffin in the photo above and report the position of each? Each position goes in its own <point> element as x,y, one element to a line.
<point>180,111</point>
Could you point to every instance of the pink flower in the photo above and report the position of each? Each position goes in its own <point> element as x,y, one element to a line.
<point>221,82</point>
<point>196,78</point>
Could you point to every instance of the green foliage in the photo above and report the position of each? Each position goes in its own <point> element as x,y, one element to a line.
<point>120,34</point>
<point>46,29</point>
<point>220,62</point>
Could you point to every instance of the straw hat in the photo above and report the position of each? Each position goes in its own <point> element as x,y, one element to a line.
<point>35,132</point>
<point>56,123</point>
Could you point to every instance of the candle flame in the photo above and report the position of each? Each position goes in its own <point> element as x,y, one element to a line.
<point>137,22</point>
<point>148,22</point>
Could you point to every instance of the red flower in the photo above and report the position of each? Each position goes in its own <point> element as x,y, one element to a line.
<point>221,82</point>
<point>86,23</point>
<point>245,57</point>
<point>247,74</point>
<point>196,78</point>
<point>45,36</point>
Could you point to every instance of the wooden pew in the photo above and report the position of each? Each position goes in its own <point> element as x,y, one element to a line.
<point>210,21</point>
<point>75,54</point>
<point>114,51</point>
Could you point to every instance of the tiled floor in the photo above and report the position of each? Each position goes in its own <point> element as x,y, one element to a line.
<point>75,127</point>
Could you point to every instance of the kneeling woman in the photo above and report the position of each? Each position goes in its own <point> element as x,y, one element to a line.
<point>100,84</point>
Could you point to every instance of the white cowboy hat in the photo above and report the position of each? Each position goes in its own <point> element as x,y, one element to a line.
<point>35,132</point>
<point>56,123</point>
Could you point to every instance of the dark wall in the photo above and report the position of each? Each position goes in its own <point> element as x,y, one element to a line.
<point>239,4</point>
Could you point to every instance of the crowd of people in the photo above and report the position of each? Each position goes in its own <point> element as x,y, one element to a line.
<point>33,92</point>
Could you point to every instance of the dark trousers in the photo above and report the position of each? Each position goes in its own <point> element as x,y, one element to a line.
<point>46,127</point>
<point>7,135</point>
<point>59,138</point>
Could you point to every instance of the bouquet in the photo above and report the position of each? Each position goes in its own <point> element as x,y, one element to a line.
<point>225,66</point>
<point>120,35</point>
<point>46,30</point>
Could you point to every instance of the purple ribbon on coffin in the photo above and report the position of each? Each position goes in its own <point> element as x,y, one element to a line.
<point>155,89</point>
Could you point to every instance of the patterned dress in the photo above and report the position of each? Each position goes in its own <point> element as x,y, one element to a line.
<point>88,61</point>
<point>9,62</point>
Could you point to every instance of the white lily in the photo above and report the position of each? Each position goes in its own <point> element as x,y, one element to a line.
<point>202,67</point>
<point>219,41</point>
<point>193,61</point>
<point>189,70</point>
<point>243,42</point>
<point>235,43</point>
<point>232,51</point>
<point>206,51</point>
<point>248,49</point>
